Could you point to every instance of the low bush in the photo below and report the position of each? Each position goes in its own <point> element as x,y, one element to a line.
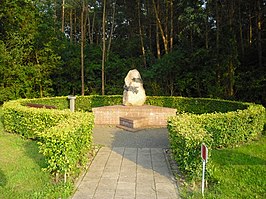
<point>218,123</point>
<point>60,102</point>
<point>196,105</point>
<point>28,122</point>
<point>65,138</point>
<point>186,136</point>
<point>66,145</point>
<point>86,103</point>
<point>182,104</point>
<point>218,130</point>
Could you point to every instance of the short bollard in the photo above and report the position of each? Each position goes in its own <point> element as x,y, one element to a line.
<point>72,102</point>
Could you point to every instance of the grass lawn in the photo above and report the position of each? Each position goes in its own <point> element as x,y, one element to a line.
<point>241,173</point>
<point>21,174</point>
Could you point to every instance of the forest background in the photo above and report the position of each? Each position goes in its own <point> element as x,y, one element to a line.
<point>190,48</point>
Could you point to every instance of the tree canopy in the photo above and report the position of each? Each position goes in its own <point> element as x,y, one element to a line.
<point>195,48</point>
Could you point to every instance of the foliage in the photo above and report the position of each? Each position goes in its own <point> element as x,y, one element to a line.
<point>64,137</point>
<point>28,56</point>
<point>21,166</point>
<point>234,128</point>
<point>65,146</point>
<point>216,50</point>
<point>218,130</point>
<point>195,105</point>
<point>28,122</point>
<point>60,102</point>
<point>186,137</point>
<point>239,173</point>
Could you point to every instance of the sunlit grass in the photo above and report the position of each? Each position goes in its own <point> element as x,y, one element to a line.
<point>21,174</point>
<point>239,173</point>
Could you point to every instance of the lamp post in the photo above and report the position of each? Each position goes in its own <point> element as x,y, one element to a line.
<point>72,102</point>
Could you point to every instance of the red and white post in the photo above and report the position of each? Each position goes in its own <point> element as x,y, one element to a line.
<point>204,156</point>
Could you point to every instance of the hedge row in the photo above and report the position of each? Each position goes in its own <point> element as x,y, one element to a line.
<point>182,104</point>
<point>218,123</point>
<point>66,145</point>
<point>218,130</point>
<point>64,137</point>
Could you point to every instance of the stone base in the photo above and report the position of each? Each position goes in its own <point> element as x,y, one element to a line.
<point>133,116</point>
<point>133,122</point>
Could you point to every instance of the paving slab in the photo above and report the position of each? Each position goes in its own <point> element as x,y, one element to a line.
<point>122,172</point>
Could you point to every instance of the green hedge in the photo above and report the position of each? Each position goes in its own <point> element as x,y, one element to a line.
<point>65,138</point>
<point>86,103</point>
<point>182,104</point>
<point>196,105</point>
<point>60,102</point>
<point>186,137</point>
<point>28,122</point>
<point>187,132</point>
<point>218,123</point>
<point>66,145</point>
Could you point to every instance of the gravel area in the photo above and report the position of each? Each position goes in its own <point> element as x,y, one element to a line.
<point>111,136</point>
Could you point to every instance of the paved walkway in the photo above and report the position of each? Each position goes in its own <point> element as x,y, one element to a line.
<point>120,172</point>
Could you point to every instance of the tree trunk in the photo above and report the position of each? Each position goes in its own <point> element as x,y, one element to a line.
<point>259,40</point>
<point>63,17</point>
<point>230,79</point>
<point>158,42</point>
<point>166,23</point>
<point>111,31</point>
<point>82,46</point>
<point>141,36</point>
<point>91,27</point>
<point>207,27</point>
<point>171,25</point>
<point>250,29</point>
<point>71,25</point>
<point>75,26</point>
<point>165,41</point>
<point>232,54</point>
<point>104,45</point>
<point>240,28</point>
<point>218,67</point>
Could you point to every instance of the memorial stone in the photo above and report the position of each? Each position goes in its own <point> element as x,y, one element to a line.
<point>134,93</point>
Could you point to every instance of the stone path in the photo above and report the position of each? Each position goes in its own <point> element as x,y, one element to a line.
<point>120,172</point>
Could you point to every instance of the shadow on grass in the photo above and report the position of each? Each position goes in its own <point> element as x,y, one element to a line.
<point>229,157</point>
<point>32,151</point>
<point>3,179</point>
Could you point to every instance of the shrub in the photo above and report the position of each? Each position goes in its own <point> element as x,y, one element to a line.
<point>234,128</point>
<point>29,121</point>
<point>60,102</point>
<point>186,137</point>
<point>188,131</point>
<point>86,103</point>
<point>218,123</point>
<point>65,146</point>
<point>65,138</point>
<point>196,105</point>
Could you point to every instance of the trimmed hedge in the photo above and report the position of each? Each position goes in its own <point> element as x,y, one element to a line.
<point>186,137</point>
<point>66,145</point>
<point>60,102</point>
<point>28,122</point>
<point>182,104</point>
<point>86,103</point>
<point>65,138</point>
<point>196,105</point>
<point>218,130</point>
<point>218,123</point>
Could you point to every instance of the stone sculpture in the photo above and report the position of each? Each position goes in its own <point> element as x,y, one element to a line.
<point>134,93</point>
